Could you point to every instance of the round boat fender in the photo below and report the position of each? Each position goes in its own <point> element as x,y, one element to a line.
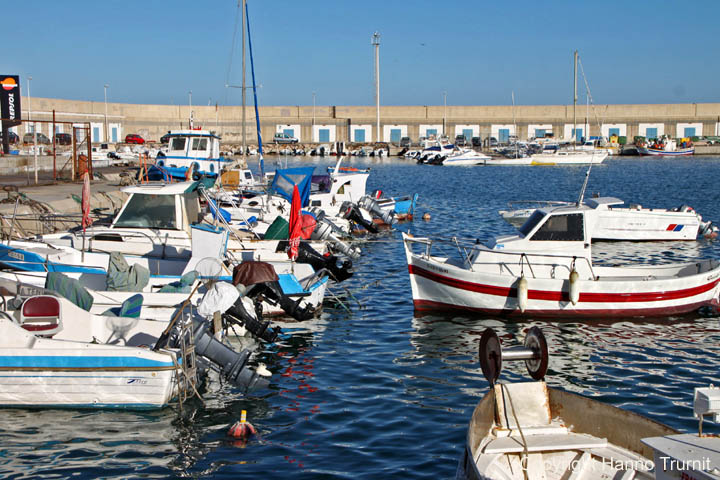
<point>522,293</point>
<point>574,286</point>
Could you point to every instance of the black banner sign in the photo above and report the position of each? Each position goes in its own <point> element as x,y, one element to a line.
<point>10,100</point>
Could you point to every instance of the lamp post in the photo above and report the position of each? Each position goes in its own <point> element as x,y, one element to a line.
<point>106,124</point>
<point>376,43</point>
<point>444,112</point>
<point>312,129</point>
<point>34,127</point>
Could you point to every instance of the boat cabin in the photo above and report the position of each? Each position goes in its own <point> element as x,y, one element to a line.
<point>198,149</point>
<point>559,230</point>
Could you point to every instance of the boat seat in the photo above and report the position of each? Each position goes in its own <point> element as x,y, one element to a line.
<point>545,443</point>
<point>41,315</point>
<point>291,286</point>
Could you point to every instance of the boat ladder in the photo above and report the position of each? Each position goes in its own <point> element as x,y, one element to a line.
<point>187,373</point>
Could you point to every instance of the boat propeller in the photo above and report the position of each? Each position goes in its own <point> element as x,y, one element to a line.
<point>534,352</point>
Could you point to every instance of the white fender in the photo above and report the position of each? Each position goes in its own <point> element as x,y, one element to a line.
<point>522,293</point>
<point>574,287</point>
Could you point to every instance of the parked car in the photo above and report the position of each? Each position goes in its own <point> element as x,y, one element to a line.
<point>41,138</point>
<point>460,140</point>
<point>476,142</point>
<point>134,138</point>
<point>405,142</point>
<point>12,137</point>
<point>284,138</point>
<point>63,138</point>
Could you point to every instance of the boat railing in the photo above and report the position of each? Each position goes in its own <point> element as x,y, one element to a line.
<point>543,203</point>
<point>532,260</point>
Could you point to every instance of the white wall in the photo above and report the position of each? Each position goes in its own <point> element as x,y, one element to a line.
<point>316,132</point>
<point>642,128</point>
<point>495,130</point>
<point>424,128</point>
<point>386,132</point>
<point>605,129</point>
<point>368,129</point>
<point>475,130</point>
<point>296,130</point>
<point>680,129</point>
<point>536,126</point>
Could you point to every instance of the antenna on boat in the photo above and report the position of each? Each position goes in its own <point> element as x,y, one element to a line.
<point>585,182</point>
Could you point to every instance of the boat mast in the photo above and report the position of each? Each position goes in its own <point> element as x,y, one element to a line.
<point>244,147</point>
<point>514,125</point>
<point>574,133</point>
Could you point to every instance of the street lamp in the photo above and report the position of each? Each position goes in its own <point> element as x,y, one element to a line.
<point>313,122</point>
<point>106,124</point>
<point>376,43</point>
<point>444,112</point>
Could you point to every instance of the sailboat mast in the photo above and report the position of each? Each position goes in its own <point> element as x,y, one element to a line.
<point>244,20</point>
<point>575,99</point>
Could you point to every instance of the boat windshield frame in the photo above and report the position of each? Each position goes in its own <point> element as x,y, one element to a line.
<point>532,222</point>
<point>162,211</point>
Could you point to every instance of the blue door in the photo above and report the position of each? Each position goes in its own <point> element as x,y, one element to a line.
<point>96,134</point>
<point>395,134</point>
<point>360,136</point>
<point>431,132</point>
<point>689,132</point>
<point>578,134</point>
<point>114,134</point>
<point>504,134</point>
<point>539,133</point>
<point>613,131</point>
<point>468,134</point>
<point>324,134</point>
<point>650,133</point>
<point>290,132</point>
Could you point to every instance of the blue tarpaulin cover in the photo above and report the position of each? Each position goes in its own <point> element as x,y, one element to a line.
<point>286,178</point>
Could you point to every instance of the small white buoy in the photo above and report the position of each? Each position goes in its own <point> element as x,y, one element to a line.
<point>574,286</point>
<point>522,293</point>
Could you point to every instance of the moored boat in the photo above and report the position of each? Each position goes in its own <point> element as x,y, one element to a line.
<point>547,270</point>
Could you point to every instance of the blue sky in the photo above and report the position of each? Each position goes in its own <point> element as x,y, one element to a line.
<point>478,52</point>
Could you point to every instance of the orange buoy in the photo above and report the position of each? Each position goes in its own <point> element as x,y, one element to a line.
<point>243,428</point>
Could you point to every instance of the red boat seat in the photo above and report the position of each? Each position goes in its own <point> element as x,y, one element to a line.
<point>41,315</point>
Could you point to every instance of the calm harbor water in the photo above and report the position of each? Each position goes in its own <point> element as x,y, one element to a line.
<point>371,391</point>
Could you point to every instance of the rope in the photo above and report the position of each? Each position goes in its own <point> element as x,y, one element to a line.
<point>522,435</point>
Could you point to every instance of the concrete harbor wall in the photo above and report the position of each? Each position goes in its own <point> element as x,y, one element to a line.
<point>340,123</point>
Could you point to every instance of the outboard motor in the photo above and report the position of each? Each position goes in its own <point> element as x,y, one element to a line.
<point>372,206</point>
<point>328,231</point>
<point>263,284</point>
<point>339,269</point>
<point>237,314</point>
<point>233,365</point>
<point>350,211</point>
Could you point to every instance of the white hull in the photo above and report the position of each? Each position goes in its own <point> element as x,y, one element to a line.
<point>39,372</point>
<point>569,157</point>
<point>493,286</point>
<point>508,161</point>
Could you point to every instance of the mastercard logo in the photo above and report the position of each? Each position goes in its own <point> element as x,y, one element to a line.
<point>9,83</point>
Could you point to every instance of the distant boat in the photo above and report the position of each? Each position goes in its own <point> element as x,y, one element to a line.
<point>667,147</point>
<point>197,150</point>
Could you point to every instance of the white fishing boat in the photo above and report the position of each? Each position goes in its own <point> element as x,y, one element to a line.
<point>195,149</point>
<point>610,219</point>
<point>44,372</point>
<point>547,270</point>
<point>666,146</point>
<point>528,430</point>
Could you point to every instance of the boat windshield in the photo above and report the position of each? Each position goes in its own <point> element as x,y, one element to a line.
<point>148,211</point>
<point>531,222</point>
<point>561,228</point>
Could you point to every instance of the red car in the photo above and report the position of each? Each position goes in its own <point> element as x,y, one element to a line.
<point>134,138</point>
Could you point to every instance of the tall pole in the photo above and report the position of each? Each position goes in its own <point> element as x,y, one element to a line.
<point>575,98</point>
<point>34,132</point>
<point>444,111</point>
<point>313,122</point>
<point>376,42</point>
<point>244,20</point>
<point>106,124</point>
<point>190,120</point>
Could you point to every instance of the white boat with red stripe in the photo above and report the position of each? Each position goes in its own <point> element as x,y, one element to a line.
<point>547,271</point>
